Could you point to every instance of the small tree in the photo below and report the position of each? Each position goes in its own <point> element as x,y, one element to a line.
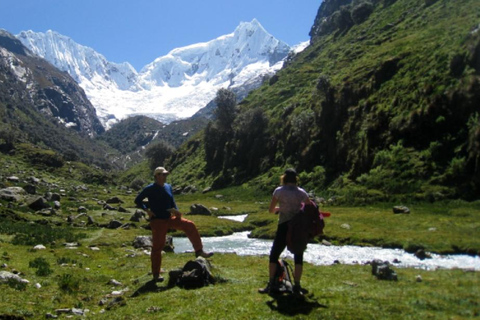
<point>159,152</point>
<point>226,109</point>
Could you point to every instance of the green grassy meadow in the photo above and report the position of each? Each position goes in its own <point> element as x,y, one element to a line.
<point>80,278</point>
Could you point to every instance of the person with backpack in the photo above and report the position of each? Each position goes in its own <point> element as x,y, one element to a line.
<point>163,213</point>
<point>290,199</point>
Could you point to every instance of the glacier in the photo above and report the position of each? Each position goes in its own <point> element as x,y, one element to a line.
<point>174,86</point>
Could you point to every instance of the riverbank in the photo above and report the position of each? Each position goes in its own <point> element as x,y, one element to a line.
<point>326,255</point>
<point>449,227</point>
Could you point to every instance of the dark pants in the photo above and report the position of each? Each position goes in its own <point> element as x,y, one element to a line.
<point>280,243</point>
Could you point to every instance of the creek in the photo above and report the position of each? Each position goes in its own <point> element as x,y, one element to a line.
<point>319,254</point>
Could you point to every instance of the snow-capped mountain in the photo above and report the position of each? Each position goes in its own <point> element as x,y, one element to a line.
<point>173,86</point>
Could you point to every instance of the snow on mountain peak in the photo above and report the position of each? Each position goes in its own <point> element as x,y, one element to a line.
<point>171,87</point>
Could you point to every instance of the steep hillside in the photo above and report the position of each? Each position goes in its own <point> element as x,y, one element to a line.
<point>42,105</point>
<point>383,104</point>
<point>131,134</point>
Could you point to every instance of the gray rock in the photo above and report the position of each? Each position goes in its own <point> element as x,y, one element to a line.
<point>13,179</point>
<point>90,221</point>
<point>56,197</point>
<point>6,276</point>
<point>114,224</point>
<point>138,215</point>
<point>38,203</point>
<point>142,242</point>
<point>30,189</point>
<point>189,189</point>
<point>382,270</point>
<point>401,210</point>
<point>114,200</point>
<point>47,212</point>
<point>422,255</point>
<point>33,180</point>
<point>108,207</point>
<point>12,194</point>
<point>200,210</point>
<point>82,209</point>
<point>48,196</point>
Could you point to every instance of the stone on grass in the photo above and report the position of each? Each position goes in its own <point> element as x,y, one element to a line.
<point>200,210</point>
<point>401,210</point>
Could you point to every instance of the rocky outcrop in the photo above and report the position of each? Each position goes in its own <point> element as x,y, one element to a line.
<point>339,15</point>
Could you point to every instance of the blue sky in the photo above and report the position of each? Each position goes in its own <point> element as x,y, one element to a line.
<point>138,31</point>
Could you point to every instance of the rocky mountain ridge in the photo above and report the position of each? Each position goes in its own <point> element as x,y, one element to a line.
<point>173,86</point>
<point>42,105</point>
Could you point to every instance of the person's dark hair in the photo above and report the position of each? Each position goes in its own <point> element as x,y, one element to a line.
<point>289,176</point>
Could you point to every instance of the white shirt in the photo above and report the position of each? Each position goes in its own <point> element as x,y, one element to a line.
<point>290,199</point>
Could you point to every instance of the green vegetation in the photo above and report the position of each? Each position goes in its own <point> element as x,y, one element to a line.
<point>338,291</point>
<point>380,107</point>
<point>62,277</point>
<point>381,110</point>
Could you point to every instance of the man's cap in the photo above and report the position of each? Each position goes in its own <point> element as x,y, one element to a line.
<point>160,170</point>
<point>290,171</point>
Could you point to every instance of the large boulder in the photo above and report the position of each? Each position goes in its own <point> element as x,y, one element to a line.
<point>38,203</point>
<point>142,242</point>
<point>13,194</point>
<point>114,224</point>
<point>146,242</point>
<point>138,215</point>
<point>6,276</point>
<point>114,200</point>
<point>200,210</point>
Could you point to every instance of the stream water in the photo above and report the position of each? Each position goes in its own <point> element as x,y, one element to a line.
<point>319,254</point>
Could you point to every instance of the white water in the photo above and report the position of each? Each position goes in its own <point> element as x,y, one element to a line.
<point>238,217</point>
<point>318,254</point>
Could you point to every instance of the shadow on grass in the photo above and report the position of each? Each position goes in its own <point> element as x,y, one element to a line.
<point>291,305</point>
<point>150,286</point>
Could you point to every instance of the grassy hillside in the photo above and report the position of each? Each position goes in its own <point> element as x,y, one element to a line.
<point>66,280</point>
<point>384,104</point>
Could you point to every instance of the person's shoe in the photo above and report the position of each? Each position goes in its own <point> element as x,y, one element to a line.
<point>203,254</point>
<point>298,290</point>
<point>158,279</point>
<point>270,288</point>
<point>267,289</point>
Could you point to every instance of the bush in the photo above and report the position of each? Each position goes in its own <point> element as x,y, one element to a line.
<point>157,153</point>
<point>69,283</point>
<point>137,184</point>
<point>42,266</point>
<point>361,12</point>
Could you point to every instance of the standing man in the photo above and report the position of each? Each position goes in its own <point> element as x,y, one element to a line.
<point>164,215</point>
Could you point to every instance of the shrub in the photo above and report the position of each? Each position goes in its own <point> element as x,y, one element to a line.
<point>137,184</point>
<point>69,283</point>
<point>42,266</point>
<point>361,12</point>
<point>157,153</point>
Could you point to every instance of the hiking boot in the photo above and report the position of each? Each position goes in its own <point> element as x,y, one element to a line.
<point>297,289</point>
<point>270,288</point>
<point>203,254</point>
<point>267,289</point>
